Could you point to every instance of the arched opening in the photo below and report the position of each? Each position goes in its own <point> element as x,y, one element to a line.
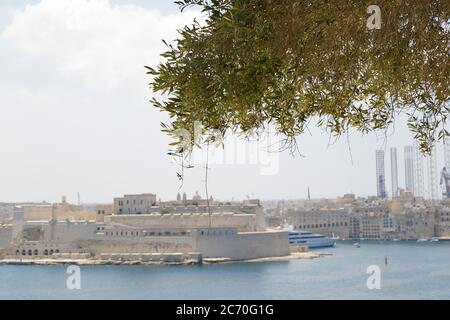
<point>17,252</point>
<point>24,253</point>
<point>36,252</point>
<point>45,252</point>
<point>30,253</point>
<point>57,251</point>
<point>51,251</point>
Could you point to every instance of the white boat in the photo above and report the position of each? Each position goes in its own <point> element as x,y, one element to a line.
<point>442,238</point>
<point>335,237</point>
<point>422,240</point>
<point>396,240</point>
<point>356,244</point>
<point>312,240</point>
<point>434,240</point>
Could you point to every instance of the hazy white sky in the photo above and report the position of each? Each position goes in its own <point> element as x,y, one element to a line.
<point>75,115</point>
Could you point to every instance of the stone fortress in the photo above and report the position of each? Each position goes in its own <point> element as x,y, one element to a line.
<point>138,228</point>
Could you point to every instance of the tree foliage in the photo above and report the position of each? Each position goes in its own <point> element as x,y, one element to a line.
<point>294,63</point>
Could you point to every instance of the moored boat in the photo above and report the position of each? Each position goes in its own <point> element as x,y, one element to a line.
<point>312,240</point>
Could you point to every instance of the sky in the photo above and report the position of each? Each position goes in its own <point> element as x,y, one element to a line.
<point>75,116</point>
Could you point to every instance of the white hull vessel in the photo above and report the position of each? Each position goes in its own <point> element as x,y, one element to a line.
<point>312,240</point>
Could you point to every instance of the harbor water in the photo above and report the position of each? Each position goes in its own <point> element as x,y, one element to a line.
<point>409,270</point>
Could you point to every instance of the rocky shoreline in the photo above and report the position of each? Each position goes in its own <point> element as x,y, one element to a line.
<point>206,261</point>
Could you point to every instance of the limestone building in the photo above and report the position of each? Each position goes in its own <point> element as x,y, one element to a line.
<point>134,203</point>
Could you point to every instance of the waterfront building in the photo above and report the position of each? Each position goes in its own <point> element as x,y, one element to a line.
<point>443,222</point>
<point>371,227</point>
<point>403,217</point>
<point>168,237</point>
<point>416,224</point>
<point>354,231</point>
<point>380,174</point>
<point>327,222</point>
<point>394,172</point>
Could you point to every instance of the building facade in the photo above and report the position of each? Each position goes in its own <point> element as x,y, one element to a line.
<point>135,203</point>
<point>328,222</point>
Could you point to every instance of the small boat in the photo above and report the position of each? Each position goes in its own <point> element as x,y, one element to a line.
<point>443,238</point>
<point>434,240</point>
<point>396,240</point>
<point>356,244</point>
<point>335,237</point>
<point>422,240</point>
